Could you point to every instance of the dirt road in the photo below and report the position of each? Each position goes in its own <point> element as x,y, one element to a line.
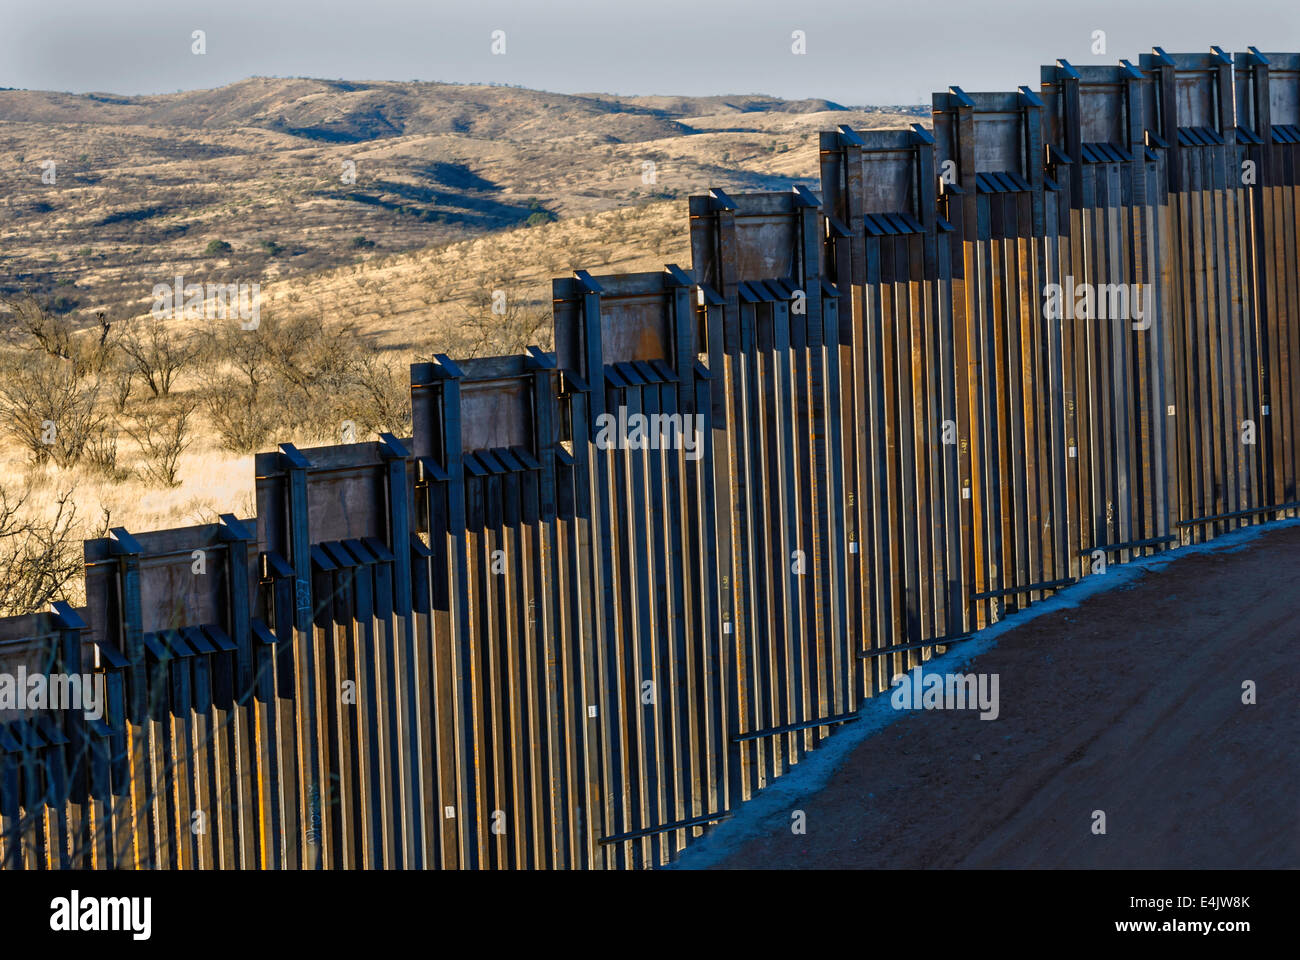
<point>1130,704</point>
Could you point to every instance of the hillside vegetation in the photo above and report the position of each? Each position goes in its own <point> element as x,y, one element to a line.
<point>462,196</point>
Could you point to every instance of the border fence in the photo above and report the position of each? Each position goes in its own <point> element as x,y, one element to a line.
<point>1057,330</point>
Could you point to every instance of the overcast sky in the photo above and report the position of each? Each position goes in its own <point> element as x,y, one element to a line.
<point>858,51</point>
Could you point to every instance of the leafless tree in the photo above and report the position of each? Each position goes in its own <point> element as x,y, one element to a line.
<point>32,327</point>
<point>496,323</point>
<point>156,353</point>
<point>100,455</point>
<point>49,406</point>
<point>381,388</point>
<point>162,437</point>
<point>237,411</point>
<point>39,557</point>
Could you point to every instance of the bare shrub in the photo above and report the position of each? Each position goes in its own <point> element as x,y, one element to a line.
<point>553,260</point>
<point>664,239</point>
<point>119,382</point>
<point>156,353</point>
<point>201,510</point>
<point>236,411</point>
<point>40,559</point>
<point>238,377</point>
<point>34,327</point>
<point>229,345</point>
<point>310,354</point>
<point>493,325</point>
<point>98,350</point>
<point>298,374</point>
<point>49,407</point>
<point>100,455</point>
<point>162,436</point>
<point>380,395</point>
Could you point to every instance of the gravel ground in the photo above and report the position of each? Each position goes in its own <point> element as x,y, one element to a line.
<point>1129,703</point>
